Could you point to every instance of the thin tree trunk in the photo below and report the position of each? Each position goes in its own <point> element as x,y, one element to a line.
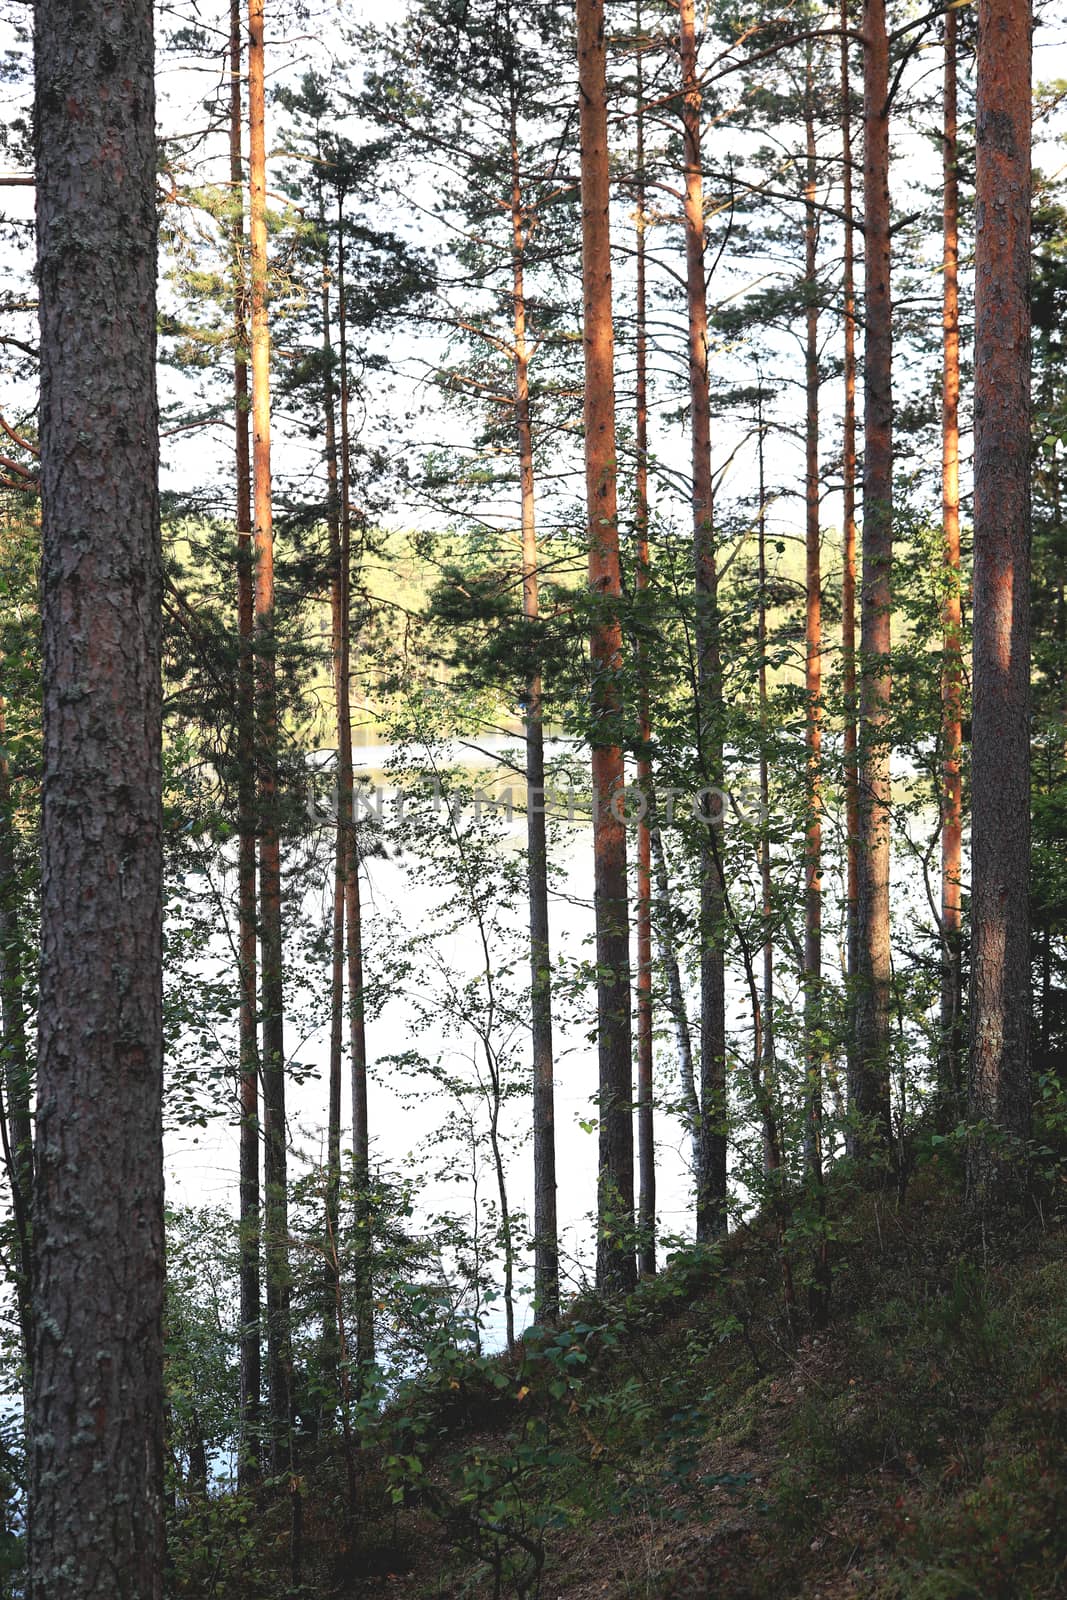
<point>279,1336</point>
<point>814,1041</point>
<point>616,1268</point>
<point>646,1141</point>
<point>357,1030</point>
<point>768,1065</point>
<point>711,1173</point>
<point>869,1089</point>
<point>1000,817</point>
<point>14,1055</point>
<point>96,1464</point>
<point>546,1240</point>
<point>813,1049</point>
<point>339,667</point>
<point>672,972</point>
<point>848,566</point>
<point>949,1085</point>
<point>248,1462</point>
<point>506,1233</point>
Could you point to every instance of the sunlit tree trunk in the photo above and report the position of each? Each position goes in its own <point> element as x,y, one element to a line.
<point>546,1242</point>
<point>96,1463</point>
<point>615,1198</point>
<point>1000,831</point>
<point>869,1097</point>
<point>711,1173</point>
<point>646,1144</point>
<point>276,1209</point>
<point>952,672</point>
<point>250,1343</point>
<point>848,535</point>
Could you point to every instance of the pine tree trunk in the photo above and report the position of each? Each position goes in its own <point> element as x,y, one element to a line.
<point>768,1066</point>
<point>248,1462</point>
<point>869,1088</point>
<point>813,1048</point>
<point>711,1171</point>
<point>357,1031</point>
<point>96,1467</point>
<point>276,1210</point>
<point>1000,832</point>
<point>546,1241</point>
<point>949,1084</point>
<point>814,1041</point>
<point>616,1267</point>
<point>848,554</point>
<point>339,668</point>
<point>646,1142</point>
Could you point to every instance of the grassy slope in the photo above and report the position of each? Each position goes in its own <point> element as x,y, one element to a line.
<point>681,1446</point>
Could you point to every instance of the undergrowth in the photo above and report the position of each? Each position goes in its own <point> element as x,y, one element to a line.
<point>681,1441</point>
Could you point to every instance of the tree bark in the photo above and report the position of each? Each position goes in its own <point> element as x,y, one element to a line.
<point>813,1048</point>
<point>546,1240</point>
<point>1000,817</point>
<point>848,561</point>
<point>711,1172</point>
<point>276,1211</point>
<point>248,1462</point>
<point>767,1064</point>
<point>96,1468</point>
<point>949,1084</point>
<point>342,728</point>
<point>357,1031</point>
<point>646,1141</point>
<point>814,1033</point>
<point>869,1089</point>
<point>615,1196</point>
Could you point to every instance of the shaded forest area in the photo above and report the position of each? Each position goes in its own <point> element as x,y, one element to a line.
<point>533,666</point>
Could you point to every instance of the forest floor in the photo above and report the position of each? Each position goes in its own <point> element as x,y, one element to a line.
<point>684,1444</point>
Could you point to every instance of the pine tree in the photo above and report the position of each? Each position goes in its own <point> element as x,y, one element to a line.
<point>869,1088</point>
<point>1000,820</point>
<point>97,1462</point>
<point>615,1187</point>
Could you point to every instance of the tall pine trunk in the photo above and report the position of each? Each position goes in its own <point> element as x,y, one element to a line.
<point>96,1463</point>
<point>276,1206</point>
<point>250,1343</point>
<point>646,1144</point>
<point>814,1032</point>
<point>848,554</point>
<point>767,1065</point>
<point>1000,783</point>
<point>813,1047</point>
<point>615,1187</point>
<point>869,1088</point>
<point>949,1085</point>
<point>339,668</point>
<point>711,1171</point>
<point>357,1030</point>
<point>546,1240</point>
